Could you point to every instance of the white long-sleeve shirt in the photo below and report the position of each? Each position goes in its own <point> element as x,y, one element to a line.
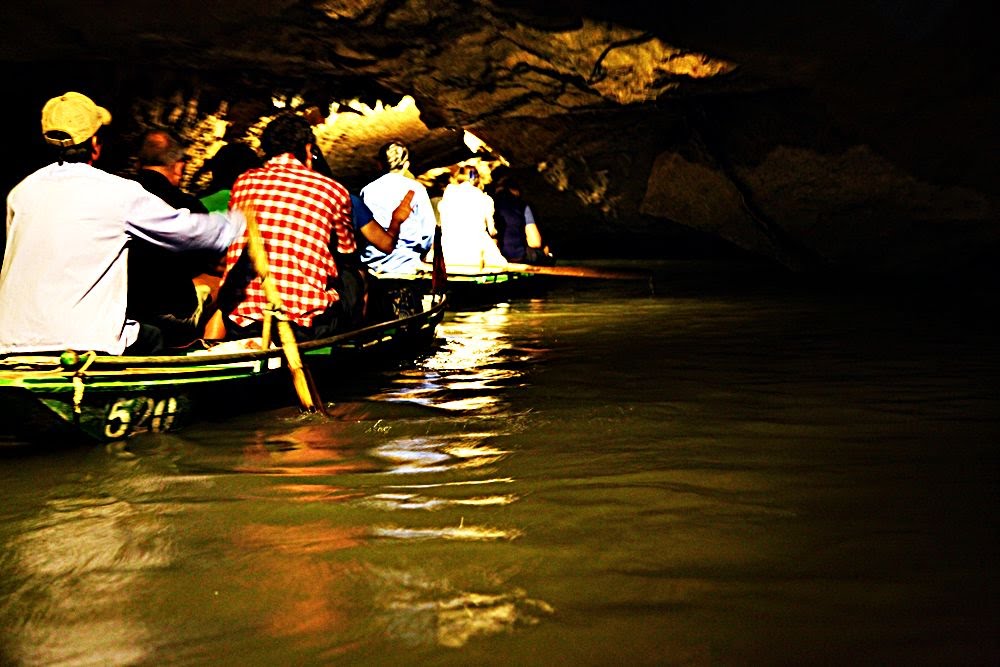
<point>64,281</point>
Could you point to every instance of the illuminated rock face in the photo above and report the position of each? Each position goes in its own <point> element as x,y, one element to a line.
<point>824,137</point>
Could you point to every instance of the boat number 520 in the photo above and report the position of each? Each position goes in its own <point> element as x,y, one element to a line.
<point>129,414</point>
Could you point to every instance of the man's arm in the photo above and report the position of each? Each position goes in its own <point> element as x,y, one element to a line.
<point>385,239</point>
<point>151,219</point>
<point>531,233</point>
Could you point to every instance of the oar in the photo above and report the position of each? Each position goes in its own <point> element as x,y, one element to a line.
<point>303,387</point>
<point>576,272</point>
<point>439,272</point>
<point>566,271</point>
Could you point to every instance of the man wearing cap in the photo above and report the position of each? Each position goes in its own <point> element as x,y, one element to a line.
<point>382,196</point>
<point>64,280</point>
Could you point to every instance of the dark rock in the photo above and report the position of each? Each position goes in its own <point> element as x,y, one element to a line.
<point>826,136</point>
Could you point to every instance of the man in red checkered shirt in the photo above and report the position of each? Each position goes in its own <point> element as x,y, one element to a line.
<point>304,218</point>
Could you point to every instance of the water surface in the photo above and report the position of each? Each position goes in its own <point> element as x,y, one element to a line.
<point>721,469</point>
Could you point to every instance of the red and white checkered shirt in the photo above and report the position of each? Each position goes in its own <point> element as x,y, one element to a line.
<point>299,212</point>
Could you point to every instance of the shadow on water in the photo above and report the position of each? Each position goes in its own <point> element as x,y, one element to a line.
<point>724,469</point>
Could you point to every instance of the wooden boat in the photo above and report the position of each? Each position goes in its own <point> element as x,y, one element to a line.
<point>104,398</point>
<point>474,286</point>
<point>482,285</point>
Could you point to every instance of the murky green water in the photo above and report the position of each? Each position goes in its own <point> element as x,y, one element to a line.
<point>722,472</point>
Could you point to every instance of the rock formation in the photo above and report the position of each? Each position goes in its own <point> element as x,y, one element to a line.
<point>828,137</point>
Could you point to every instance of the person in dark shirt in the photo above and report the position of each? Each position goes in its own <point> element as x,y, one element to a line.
<point>517,232</point>
<point>161,287</point>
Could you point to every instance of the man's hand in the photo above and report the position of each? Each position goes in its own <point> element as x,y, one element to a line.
<point>402,212</point>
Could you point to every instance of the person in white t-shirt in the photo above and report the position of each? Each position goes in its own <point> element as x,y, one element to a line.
<point>467,228</point>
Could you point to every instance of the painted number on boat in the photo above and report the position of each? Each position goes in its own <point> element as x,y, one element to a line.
<point>129,414</point>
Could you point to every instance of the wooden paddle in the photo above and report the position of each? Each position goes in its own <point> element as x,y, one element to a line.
<point>305,389</point>
<point>577,272</point>
<point>566,271</point>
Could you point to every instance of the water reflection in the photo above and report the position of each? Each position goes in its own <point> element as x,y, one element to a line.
<point>423,455</point>
<point>294,580</point>
<point>453,474</point>
<point>475,359</point>
<point>416,501</point>
<point>393,478</point>
<point>420,611</point>
<point>70,570</point>
<point>290,537</point>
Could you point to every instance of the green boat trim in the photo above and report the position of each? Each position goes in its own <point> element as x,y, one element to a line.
<point>107,397</point>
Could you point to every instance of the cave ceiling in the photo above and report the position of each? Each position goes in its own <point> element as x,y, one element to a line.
<point>616,95</point>
<point>462,62</point>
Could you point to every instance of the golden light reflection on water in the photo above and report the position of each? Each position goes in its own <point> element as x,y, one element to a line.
<point>80,560</point>
<point>415,501</point>
<point>421,610</point>
<point>454,474</point>
<point>473,340</point>
<point>467,374</point>
<point>438,454</point>
<point>460,532</point>
<point>292,577</point>
<point>464,374</point>
<point>315,579</point>
<point>311,450</point>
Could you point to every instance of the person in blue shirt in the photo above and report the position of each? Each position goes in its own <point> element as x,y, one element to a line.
<point>370,231</point>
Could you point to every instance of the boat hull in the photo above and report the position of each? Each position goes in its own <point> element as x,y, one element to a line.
<point>474,289</point>
<point>113,398</point>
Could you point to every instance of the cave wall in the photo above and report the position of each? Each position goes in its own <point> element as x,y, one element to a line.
<point>828,136</point>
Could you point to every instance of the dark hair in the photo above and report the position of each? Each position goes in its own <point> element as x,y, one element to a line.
<point>160,148</point>
<point>393,155</point>
<point>228,163</point>
<point>80,152</point>
<point>287,132</point>
<point>319,162</point>
<point>510,183</point>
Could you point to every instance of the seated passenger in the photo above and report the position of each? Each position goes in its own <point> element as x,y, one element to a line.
<point>517,232</point>
<point>228,164</point>
<point>381,304</point>
<point>64,282</point>
<point>382,196</point>
<point>304,220</point>
<point>161,286</point>
<point>466,224</point>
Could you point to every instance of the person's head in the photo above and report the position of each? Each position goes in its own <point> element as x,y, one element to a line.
<point>163,151</point>
<point>229,162</point>
<point>394,157</point>
<point>439,183</point>
<point>319,162</point>
<point>70,123</point>
<point>499,177</point>
<point>512,185</point>
<point>288,132</point>
<point>468,174</point>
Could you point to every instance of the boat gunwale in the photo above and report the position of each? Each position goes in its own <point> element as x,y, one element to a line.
<point>209,359</point>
